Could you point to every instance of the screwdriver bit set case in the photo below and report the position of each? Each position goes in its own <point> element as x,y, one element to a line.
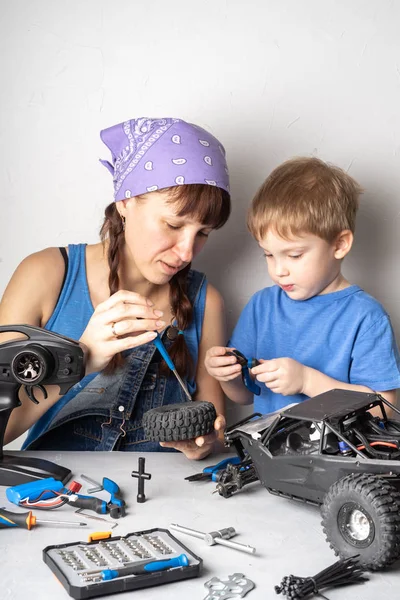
<point>78,565</point>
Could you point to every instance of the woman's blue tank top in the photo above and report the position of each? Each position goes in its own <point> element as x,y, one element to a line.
<point>73,311</point>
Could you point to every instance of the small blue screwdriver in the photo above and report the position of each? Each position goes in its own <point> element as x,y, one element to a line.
<point>163,351</point>
<point>149,567</point>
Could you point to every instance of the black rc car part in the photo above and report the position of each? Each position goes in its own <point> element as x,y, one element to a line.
<point>179,422</point>
<point>329,451</point>
<point>246,364</point>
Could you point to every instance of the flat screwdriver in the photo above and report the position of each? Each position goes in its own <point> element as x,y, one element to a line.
<point>163,351</point>
<point>27,520</point>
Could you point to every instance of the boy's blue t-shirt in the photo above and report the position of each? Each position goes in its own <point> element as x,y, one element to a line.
<point>346,335</point>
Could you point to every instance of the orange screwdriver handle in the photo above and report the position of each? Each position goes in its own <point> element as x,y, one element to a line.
<point>11,519</point>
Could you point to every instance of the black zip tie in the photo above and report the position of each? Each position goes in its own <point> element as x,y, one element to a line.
<point>342,572</point>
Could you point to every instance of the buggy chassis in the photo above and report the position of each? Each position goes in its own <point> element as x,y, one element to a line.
<point>332,452</point>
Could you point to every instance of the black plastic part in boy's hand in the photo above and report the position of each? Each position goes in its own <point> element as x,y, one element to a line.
<point>242,360</point>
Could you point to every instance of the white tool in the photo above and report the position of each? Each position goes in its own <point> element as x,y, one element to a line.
<point>216,537</point>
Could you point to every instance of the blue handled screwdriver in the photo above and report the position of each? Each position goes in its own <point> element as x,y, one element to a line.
<point>163,351</point>
<point>149,567</point>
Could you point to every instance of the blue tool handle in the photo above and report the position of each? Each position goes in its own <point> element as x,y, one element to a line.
<point>234,460</point>
<point>247,363</point>
<point>149,567</point>
<point>112,488</point>
<point>252,362</point>
<point>249,383</point>
<point>163,351</point>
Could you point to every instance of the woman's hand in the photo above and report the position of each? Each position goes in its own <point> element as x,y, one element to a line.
<point>202,446</point>
<point>124,321</point>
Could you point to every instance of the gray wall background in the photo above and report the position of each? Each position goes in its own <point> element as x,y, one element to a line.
<point>271,78</point>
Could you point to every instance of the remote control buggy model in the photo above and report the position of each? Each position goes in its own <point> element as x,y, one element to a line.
<point>329,451</point>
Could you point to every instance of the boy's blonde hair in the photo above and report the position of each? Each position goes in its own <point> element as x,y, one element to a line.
<point>305,195</point>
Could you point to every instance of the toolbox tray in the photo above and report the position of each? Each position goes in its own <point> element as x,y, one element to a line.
<point>159,544</point>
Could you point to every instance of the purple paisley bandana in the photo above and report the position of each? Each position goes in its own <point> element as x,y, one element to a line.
<point>152,154</point>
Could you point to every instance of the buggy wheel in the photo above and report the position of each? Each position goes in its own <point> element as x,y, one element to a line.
<point>178,422</point>
<point>361,515</point>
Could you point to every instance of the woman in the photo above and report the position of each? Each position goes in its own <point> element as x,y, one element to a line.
<point>171,190</point>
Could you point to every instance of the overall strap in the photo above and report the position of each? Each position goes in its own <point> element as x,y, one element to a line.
<point>197,290</point>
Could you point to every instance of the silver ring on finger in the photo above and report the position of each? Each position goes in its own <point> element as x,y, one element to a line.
<point>115,334</point>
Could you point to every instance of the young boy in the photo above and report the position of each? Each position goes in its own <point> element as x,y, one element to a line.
<point>312,331</point>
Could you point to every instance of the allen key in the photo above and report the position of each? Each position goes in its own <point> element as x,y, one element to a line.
<point>98,486</point>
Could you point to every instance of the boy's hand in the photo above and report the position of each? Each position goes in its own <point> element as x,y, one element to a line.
<point>281,375</point>
<point>220,365</point>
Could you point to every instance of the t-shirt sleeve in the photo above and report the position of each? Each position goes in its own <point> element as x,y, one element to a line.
<point>244,336</point>
<point>375,358</point>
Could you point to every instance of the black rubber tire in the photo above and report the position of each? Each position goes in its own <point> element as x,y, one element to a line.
<point>378,504</point>
<point>178,422</point>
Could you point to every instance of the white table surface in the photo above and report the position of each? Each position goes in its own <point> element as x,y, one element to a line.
<point>288,535</point>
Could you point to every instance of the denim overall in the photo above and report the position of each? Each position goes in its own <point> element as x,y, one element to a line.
<point>106,413</point>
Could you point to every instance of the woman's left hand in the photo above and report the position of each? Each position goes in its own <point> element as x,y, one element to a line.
<point>202,446</point>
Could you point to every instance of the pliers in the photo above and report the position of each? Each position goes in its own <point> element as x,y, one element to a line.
<point>246,364</point>
<point>212,473</point>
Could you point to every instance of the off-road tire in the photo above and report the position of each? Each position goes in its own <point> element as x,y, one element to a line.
<point>178,422</point>
<point>378,503</point>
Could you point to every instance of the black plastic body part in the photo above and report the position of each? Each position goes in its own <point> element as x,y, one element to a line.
<point>358,492</point>
<point>178,422</point>
<point>246,365</point>
<point>41,358</point>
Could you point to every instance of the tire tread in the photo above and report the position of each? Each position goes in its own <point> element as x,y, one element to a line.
<point>386,501</point>
<point>179,422</point>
